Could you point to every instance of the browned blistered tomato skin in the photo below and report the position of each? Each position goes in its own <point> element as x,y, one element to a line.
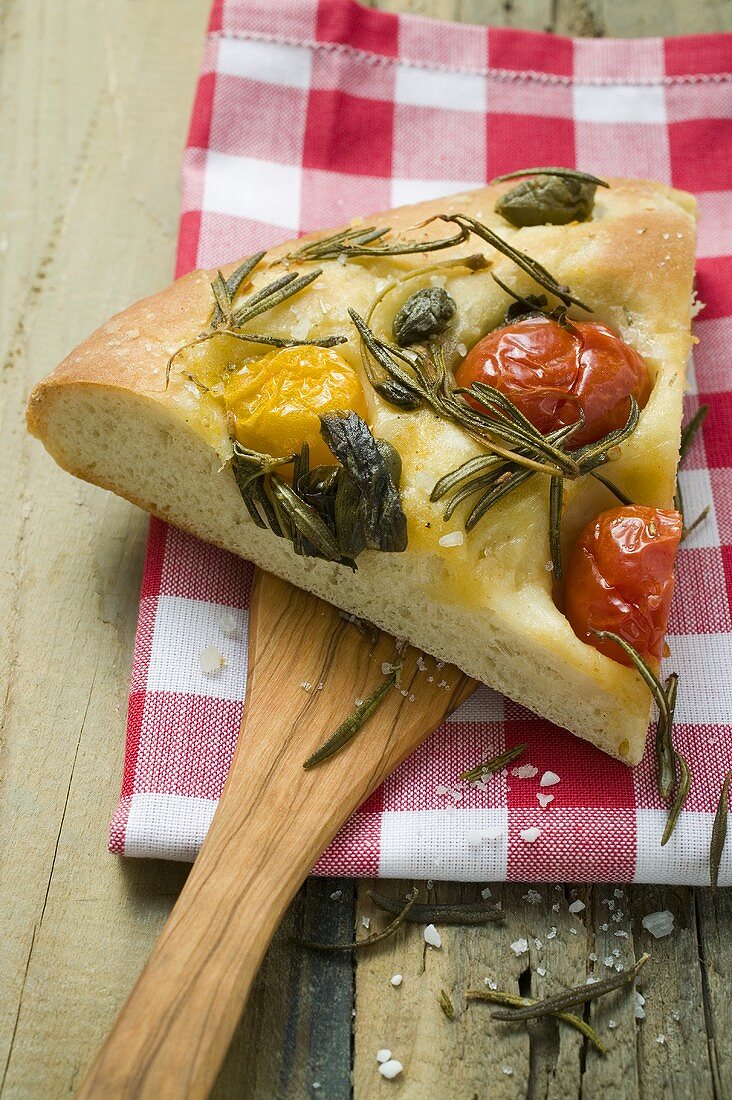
<point>620,578</point>
<point>550,372</point>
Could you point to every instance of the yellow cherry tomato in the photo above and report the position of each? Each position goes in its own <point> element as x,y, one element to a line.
<point>276,401</point>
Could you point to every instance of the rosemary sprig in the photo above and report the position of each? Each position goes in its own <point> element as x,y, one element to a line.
<point>577,995</point>
<point>682,793</point>
<point>691,430</point>
<point>719,833</point>
<point>412,379</point>
<point>531,266</point>
<point>415,378</point>
<point>472,913</point>
<point>226,320</point>
<point>688,435</point>
<point>351,725</point>
<point>568,173</point>
<point>446,1005</point>
<point>362,242</point>
<point>686,531</point>
<point>494,764</point>
<point>665,698</point>
<point>369,941</point>
<point>496,996</point>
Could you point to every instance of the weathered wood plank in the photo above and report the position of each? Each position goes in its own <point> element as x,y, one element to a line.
<point>547,1060</point>
<point>95,102</point>
<point>580,18</point>
<point>90,223</point>
<point>295,1033</point>
<point>714,932</point>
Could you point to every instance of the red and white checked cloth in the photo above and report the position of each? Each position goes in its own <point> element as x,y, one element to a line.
<point>308,113</point>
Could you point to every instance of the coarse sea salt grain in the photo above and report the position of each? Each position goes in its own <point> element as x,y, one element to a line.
<point>485,893</point>
<point>640,1012</point>
<point>576,906</point>
<point>396,980</point>
<point>532,896</point>
<point>659,924</point>
<point>531,834</point>
<point>491,832</point>
<point>230,623</point>
<point>432,936</point>
<point>520,947</point>
<point>390,1069</point>
<point>508,1070</point>
<point>541,971</point>
<point>336,894</point>
<point>544,799</point>
<point>549,779</point>
<point>490,984</point>
<point>525,771</point>
<point>211,660</point>
<point>452,538</point>
<point>383,1055</point>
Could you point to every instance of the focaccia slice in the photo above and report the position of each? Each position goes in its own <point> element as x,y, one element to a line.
<point>117,412</point>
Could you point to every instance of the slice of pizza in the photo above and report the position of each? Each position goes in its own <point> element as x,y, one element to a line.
<point>459,422</point>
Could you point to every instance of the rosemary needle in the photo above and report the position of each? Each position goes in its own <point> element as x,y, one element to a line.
<point>719,833</point>
<point>682,793</point>
<point>475,913</point>
<point>496,996</point>
<point>568,173</point>
<point>691,430</point>
<point>350,727</point>
<point>369,941</point>
<point>665,697</point>
<point>577,995</point>
<point>446,1004</point>
<point>494,764</point>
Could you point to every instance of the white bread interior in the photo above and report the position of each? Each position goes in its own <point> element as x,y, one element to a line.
<point>487,606</point>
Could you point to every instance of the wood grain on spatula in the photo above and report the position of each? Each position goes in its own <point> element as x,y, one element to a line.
<point>273,822</point>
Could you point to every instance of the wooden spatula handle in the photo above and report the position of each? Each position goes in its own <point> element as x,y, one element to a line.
<point>272,823</point>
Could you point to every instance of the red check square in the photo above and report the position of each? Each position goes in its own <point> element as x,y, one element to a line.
<point>346,133</point>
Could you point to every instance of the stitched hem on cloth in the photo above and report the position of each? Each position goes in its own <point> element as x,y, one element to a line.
<point>499,75</point>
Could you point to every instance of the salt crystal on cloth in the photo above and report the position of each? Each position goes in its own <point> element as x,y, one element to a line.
<point>281,83</point>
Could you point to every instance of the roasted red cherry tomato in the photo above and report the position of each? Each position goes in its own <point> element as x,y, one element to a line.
<point>620,578</point>
<point>551,372</point>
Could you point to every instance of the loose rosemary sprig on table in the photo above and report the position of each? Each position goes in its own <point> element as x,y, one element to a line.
<point>568,998</point>
<point>469,914</point>
<point>498,997</point>
<point>369,941</point>
<point>668,760</point>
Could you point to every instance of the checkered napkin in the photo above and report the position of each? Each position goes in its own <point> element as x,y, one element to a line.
<point>309,113</point>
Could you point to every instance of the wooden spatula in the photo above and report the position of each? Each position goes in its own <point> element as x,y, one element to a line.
<point>273,822</point>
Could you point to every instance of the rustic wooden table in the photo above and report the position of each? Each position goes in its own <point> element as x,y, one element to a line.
<point>96,99</point>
